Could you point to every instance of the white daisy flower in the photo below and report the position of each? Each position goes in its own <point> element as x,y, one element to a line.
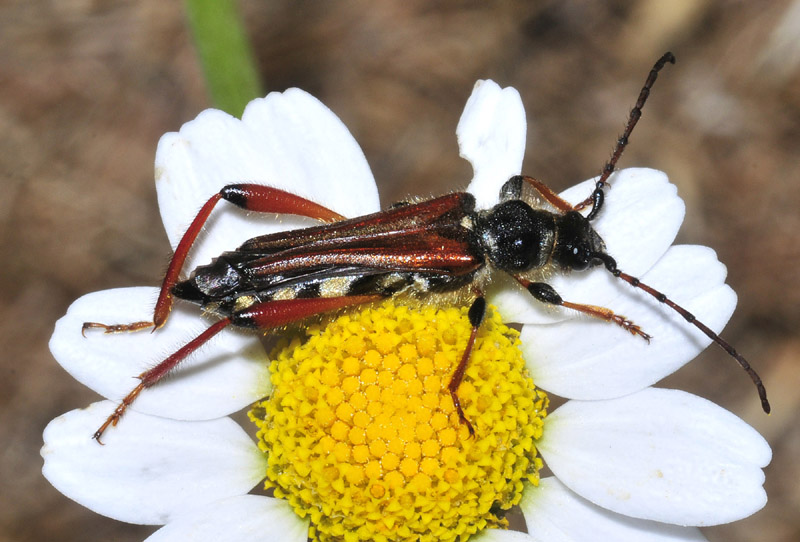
<point>629,462</point>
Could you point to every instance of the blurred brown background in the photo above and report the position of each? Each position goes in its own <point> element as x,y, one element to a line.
<point>87,87</point>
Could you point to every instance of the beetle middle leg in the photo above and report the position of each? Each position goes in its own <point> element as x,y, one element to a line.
<point>251,197</point>
<point>476,313</point>
<point>546,294</point>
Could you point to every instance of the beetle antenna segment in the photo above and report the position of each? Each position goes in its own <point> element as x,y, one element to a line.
<point>596,198</point>
<point>611,265</point>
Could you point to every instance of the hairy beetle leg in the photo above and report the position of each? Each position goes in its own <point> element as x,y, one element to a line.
<point>150,377</point>
<point>118,412</point>
<point>609,316</point>
<point>262,316</point>
<point>115,328</point>
<point>458,376</point>
<point>512,189</point>
<point>476,313</point>
<point>546,294</point>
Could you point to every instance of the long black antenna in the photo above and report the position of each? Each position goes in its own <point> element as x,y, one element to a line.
<point>597,196</point>
<point>611,265</point>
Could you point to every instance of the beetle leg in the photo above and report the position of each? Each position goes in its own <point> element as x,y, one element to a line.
<point>512,189</point>
<point>546,294</point>
<point>251,197</point>
<point>475,315</point>
<point>264,316</point>
<point>115,328</point>
<point>281,312</point>
<point>151,376</point>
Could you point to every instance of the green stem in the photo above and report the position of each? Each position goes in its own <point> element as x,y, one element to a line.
<point>225,53</point>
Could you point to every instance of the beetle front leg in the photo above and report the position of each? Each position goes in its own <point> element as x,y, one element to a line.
<point>512,189</point>
<point>546,294</point>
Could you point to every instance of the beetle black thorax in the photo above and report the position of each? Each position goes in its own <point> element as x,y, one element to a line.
<point>516,237</point>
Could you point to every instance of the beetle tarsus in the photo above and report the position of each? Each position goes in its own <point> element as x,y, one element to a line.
<point>115,416</point>
<point>461,416</point>
<point>116,328</point>
<point>629,326</point>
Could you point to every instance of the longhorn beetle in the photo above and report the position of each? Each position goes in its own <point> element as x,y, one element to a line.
<point>440,245</point>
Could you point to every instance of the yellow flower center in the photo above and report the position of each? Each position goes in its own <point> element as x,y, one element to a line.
<point>363,437</point>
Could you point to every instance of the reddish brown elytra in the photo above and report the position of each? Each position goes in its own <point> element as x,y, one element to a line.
<point>440,245</point>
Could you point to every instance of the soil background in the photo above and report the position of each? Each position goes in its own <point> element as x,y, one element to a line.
<point>87,88</point>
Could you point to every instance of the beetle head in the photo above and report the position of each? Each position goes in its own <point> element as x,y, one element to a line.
<point>578,245</point>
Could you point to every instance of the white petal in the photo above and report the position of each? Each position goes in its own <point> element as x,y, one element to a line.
<point>553,513</point>
<point>500,535</point>
<point>640,218</point>
<point>150,468</point>
<point>246,518</point>
<point>225,375</point>
<point>663,455</point>
<point>491,136</point>
<point>287,140</point>
<point>305,141</point>
<point>586,358</point>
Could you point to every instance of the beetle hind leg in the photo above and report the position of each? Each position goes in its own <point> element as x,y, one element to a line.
<point>262,316</point>
<point>152,376</point>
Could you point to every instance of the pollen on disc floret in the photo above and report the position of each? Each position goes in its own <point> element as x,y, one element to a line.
<point>362,435</point>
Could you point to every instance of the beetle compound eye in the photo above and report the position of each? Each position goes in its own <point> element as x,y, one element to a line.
<point>574,256</point>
